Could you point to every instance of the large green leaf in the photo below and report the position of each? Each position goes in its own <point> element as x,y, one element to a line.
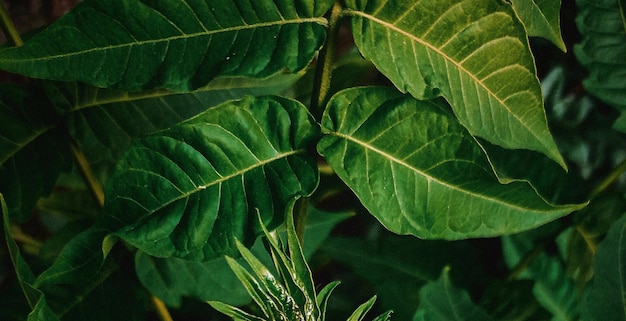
<point>441,301</point>
<point>602,24</point>
<point>419,172</point>
<point>28,139</point>
<point>173,44</point>
<point>541,18</point>
<point>474,53</point>
<point>605,299</point>
<point>190,190</point>
<point>104,122</point>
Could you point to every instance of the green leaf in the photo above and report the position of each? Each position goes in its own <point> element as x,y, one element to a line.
<point>40,309</point>
<point>419,172</point>
<point>441,301</point>
<point>104,122</point>
<point>602,24</point>
<point>362,310</point>
<point>79,261</point>
<point>190,190</point>
<point>541,19</point>
<point>474,53</point>
<point>28,138</point>
<point>604,299</point>
<point>173,44</point>
<point>172,278</point>
<point>395,265</point>
<point>552,288</point>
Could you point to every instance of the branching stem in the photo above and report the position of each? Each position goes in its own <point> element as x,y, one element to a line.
<point>9,27</point>
<point>324,71</point>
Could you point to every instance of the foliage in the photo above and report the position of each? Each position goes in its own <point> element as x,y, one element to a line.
<point>407,148</point>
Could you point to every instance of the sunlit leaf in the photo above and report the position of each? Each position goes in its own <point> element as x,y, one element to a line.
<point>474,53</point>
<point>541,19</point>
<point>190,190</point>
<point>602,24</point>
<point>419,172</point>
<point>173,44</point>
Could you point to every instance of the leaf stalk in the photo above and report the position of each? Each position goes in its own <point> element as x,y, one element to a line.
<point>9,27</point>
<point>324,71</point>
<point>609,180</point>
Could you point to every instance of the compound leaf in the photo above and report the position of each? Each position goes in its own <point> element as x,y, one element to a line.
<point>602,24</point>
<point>173,44</point>
<point>190,190</point>
<point>419,172</point>
<point>474,53</point>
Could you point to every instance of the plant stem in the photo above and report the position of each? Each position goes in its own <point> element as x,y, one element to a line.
<point>526,261</point>
<point>9,28</point>
<point>324,71</point>
<point>613,176</point>
<point>85,170</point>
<point>162,311</point>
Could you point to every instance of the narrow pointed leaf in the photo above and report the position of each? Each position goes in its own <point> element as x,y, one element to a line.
<point>233,312</point>
<point>189,191</point>
<point>323,296</point>
<point>474,53</point>
<point>541,19</point>
<point>173,44</point>
<point>419,172</point>
<point>362,310</point>
<point>256,290</point>
<point>602,24</point>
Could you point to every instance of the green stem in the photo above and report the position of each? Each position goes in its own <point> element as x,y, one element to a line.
<point>85,170</point>
<point>9,28</point>
<point>613,176</point>
<point>324,71</point>
<point>525,262</point>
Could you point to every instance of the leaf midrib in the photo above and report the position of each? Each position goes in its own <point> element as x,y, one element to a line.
<point>222,179</point>
<point>320,21</point>
<point>434,179</point>
<point>446,57</point>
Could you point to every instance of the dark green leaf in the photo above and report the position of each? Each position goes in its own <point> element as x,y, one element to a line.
<point>173,44</point>
<point>603,48</point>
<point>40,309</point>
<point>28,138</point>
<point>419,172</point>
<point>189,191</point>
<point>541,18</point>
<point>104,122</point>
<point>362,310</point>
<point>552,287</point>
<point>604,299</point>
<point>441,301</point>
<point>474,53</point>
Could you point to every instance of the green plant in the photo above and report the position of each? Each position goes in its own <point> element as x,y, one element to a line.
<point>151,135</point>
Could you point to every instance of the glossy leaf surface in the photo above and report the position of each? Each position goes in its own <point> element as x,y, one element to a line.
<point>474,53</point>
<point>173,44</point>
<point>602,24</point>
<point>419,172</point>
<point>541,19</point>
<point>190,190</point>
